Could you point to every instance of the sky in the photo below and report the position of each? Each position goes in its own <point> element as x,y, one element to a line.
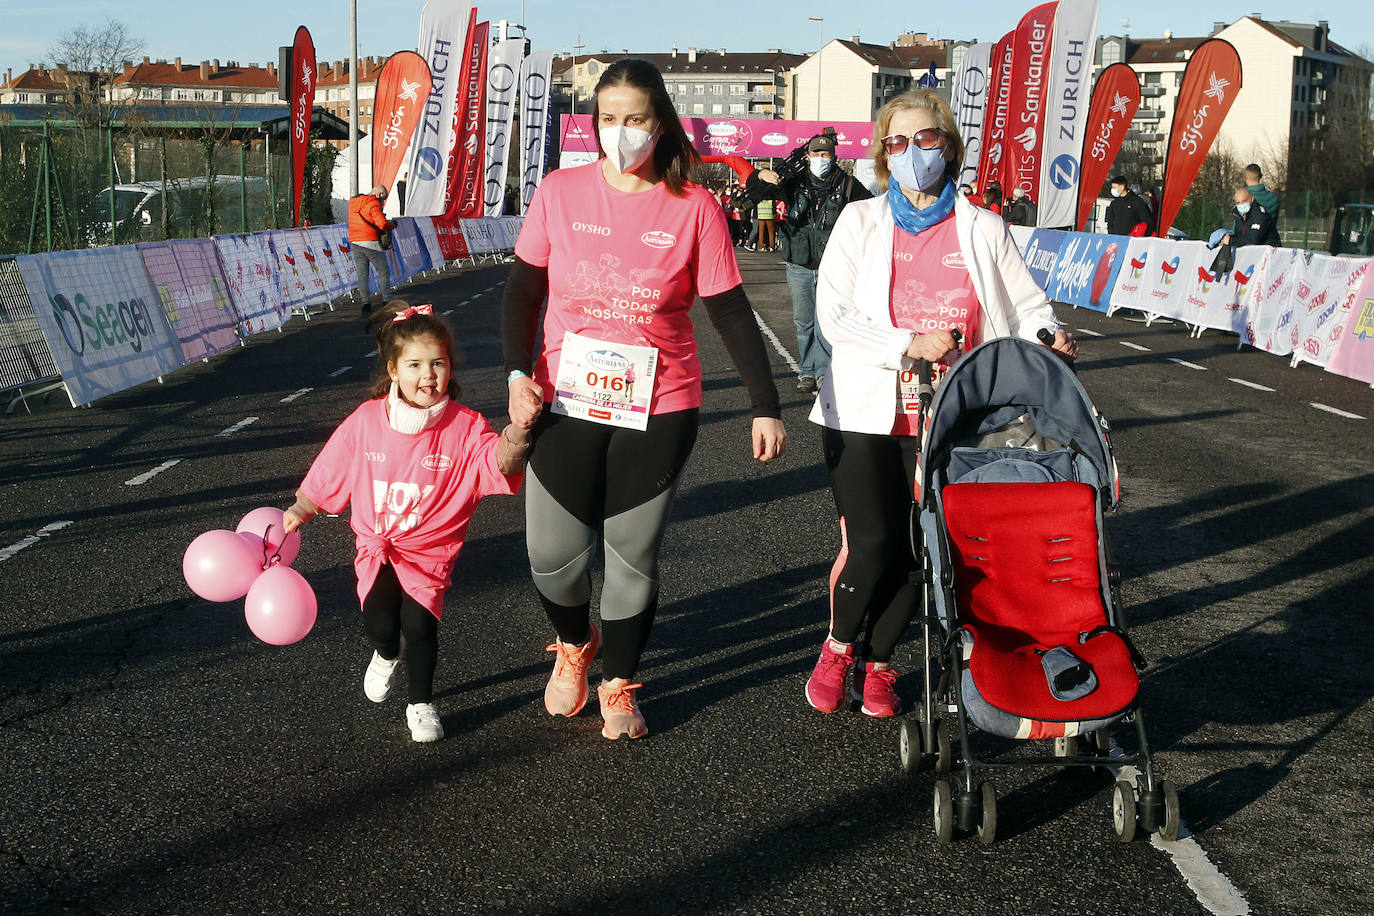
<point>251,30</point>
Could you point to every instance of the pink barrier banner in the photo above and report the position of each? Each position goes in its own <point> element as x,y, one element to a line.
<point>1354,354</point>
<point>756,138</point>
<point>191,288</point>
<point>1335,282</point>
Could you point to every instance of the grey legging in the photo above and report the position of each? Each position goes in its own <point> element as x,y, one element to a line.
<point>362,257</point>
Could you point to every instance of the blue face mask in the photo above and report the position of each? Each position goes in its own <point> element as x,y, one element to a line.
<point>1243,209</point>
<point>918,169</point>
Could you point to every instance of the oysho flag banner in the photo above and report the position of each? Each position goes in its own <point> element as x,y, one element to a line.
<point>1034,42</point>
<point>503,87</point>
<point>995,156</point>
<point>969,94</point>
<point>1211,82</point>
<point>403,91</point>
<point>536,72</point>
<point>465,161</point>
<point>1115,100</point>
<point>1066,113</point>
<point>99,313</point>
<point>302,107</point>
<point>442,25</point>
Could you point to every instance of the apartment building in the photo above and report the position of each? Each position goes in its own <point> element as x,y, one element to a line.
<point>850,80</point>
<point>41,86</point>
<point>332,89</point>
<point>208,82</point>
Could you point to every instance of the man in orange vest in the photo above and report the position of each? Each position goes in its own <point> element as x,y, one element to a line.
<point>366,223</point>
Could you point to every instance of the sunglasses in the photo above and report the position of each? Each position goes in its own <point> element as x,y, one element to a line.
<point>930,138</point>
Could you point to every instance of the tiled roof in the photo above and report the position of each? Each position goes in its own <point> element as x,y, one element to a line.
<point>902,57</point>
<point>708,63</point>
<point>369,69</point>
<point>1160,50</point>
<point>35,79</point>
<point>165,74</point>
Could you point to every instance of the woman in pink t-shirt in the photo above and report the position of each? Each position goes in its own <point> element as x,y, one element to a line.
<point>902,272</point>
<point>412,463</point>
<point>620,247</point>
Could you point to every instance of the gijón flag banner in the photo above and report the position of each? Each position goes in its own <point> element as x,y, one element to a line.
<point>1210,84</point>
<point>302,107</point>
<point>402,92</point>
<point>1115,100</point>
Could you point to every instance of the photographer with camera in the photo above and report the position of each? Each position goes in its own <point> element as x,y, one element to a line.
<point>815,190</point>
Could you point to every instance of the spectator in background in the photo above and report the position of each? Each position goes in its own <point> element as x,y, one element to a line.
<point>1254,184</point>
<point>1127,214</point>
<point>992,197</point>
<point>764,212</point>
<point>366,223</point>
<point>1254,225</point>
<point>1023,211</point>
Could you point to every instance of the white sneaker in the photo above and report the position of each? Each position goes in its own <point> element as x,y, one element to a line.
<point>377,680</point>
<point>424,723</point>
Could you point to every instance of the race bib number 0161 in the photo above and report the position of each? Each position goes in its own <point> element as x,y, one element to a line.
<point>605,382</point>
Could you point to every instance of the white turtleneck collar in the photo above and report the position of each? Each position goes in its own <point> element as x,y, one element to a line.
<point>410,420</point>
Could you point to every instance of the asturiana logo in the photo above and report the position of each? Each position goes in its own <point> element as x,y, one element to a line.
<point>657,238</point>
<point>774,139</point>
<point>436,462</point>
<point>607,361</point>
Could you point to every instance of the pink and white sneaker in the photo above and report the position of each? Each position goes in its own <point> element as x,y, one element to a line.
<point>876,688</point>
<point>825,687</point>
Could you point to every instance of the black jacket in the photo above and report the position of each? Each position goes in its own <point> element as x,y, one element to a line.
<point>1023,212</point>
<point>1124,213</point>
<point>1257,227</point>
<point>813,206</point>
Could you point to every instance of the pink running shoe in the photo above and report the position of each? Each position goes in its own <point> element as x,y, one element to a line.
<point>566,693</point>
<point>825,688</point>
<point>877,688</point>
<point>621,712</point>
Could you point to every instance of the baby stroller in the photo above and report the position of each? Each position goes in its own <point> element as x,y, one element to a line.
<point>1024,637</point>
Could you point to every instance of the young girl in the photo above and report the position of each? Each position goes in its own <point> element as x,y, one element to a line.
<point>413,463</point>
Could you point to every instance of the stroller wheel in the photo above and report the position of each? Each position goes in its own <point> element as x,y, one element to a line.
<point>1123,811</point>
<point>944,812</point>
<point>909,749</point>
<point>1172,820</point>
<point>944,750</point>
<point>987,823</point>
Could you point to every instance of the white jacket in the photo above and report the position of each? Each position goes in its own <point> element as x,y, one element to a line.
<point>853,291</point>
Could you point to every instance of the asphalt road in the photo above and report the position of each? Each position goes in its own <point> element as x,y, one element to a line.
<point>155,757</point>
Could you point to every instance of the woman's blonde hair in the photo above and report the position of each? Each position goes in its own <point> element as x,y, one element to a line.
<point>930,100</point>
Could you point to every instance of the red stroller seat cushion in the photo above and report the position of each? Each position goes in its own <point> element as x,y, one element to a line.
<point>1027,578</point>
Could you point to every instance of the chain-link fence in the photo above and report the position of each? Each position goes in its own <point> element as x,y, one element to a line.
<point>1306,219</point>
<point>60,187</point>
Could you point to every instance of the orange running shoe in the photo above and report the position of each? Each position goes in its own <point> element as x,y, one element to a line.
<point>621,712</point>
<point>566,693</point>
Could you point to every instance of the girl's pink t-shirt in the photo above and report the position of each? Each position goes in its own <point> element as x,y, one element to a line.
<point>412,495</point>
<point>625,268</point>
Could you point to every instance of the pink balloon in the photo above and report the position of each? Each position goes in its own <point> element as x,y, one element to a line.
<point>280,607</point>
<point>220,566</point>
<point>270,520</point>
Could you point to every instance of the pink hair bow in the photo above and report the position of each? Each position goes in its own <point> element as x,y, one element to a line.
<point>411,311</point>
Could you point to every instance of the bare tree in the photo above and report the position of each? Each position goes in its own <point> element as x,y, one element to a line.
<point>94,55</point>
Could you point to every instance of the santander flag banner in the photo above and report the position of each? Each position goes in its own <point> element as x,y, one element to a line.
<point>1115,100</point>
<point>1066,112</point>
<point>469,113</point>
<point>302,106</point>
<point>536,73</point>
<point>442,24</point>
<point>995,156</point>
<point>503,83</point>
<point>1030,73</point>
<point>969,92</point>
<point>1211,82</point>
<point>402,91</point>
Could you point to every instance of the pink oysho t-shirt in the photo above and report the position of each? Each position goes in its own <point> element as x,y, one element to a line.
<point>931,291</point>
<point>412,495</point>
<point>625,267</point>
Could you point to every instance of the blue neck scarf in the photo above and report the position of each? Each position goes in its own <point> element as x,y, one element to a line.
<point>913,220</point>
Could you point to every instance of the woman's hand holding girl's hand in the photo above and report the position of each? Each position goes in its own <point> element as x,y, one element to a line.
<point>769,438</point>
<point>526,402</point>
<point>931,347</point>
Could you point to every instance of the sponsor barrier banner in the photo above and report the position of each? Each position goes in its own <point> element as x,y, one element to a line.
<point>1168,273</point>
<point>425,226</point>
<point>250,272</point>
<point>535,76</point>
<point>1115,100</point>
<point>100,315</point>
<point>479,236</point>
<point>1269,325</point>
<point>995,123</point>
<point>465,160</point>
<point>1030,74</point>
<point>737,137</point>
<point>403,89</point>
<point>1066,113</point>
<point>1085,270</point>
<point>503,84</point>
<point>313,273</point>
<point>1218,300</point>
<point>1041,252</point>
<point>1320,316</point>
<point>1211,82</point>
<point>1354,353</point>
<point>343,254</point>
<point>969,101</point>
<point>302,107</point>
<point>328,261</point>
<point>452,243</point>
<point>410,248</point>
<point>442,24</point>
<point>1131,280</point>
<point>291,271</point>
<point>193,294</point>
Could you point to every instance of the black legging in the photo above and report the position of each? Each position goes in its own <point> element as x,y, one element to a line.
<point>872,477</point>
<point>389,613</point>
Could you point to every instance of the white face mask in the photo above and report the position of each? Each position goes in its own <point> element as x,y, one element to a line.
<point>1243,209</point>
<point>820,165</point>
<point>1116,192</point>
<point>918,169</point>
<point>627,147</point>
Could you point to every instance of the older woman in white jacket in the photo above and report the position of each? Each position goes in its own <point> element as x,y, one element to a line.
<point>901,273</point>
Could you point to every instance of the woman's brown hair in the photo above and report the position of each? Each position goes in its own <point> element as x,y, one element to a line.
<point>393,335</point>
<point>674,157</point>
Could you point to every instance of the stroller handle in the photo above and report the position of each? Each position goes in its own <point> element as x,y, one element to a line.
<point>925,385</point>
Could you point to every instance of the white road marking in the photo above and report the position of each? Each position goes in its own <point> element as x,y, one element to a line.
<point>1134,346</point>
<point>32,539</point>
<point>1090,332</point>
<point>446,312</point>
<point>246,421</point>
<point>777,344</point>
<point>149,475</point>
<point>1340,413</point>
<point>1255,385</point>
<point>293,396</point>
<point>372,355</point>
<point>338,372</point>
<point>1184,362</point>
